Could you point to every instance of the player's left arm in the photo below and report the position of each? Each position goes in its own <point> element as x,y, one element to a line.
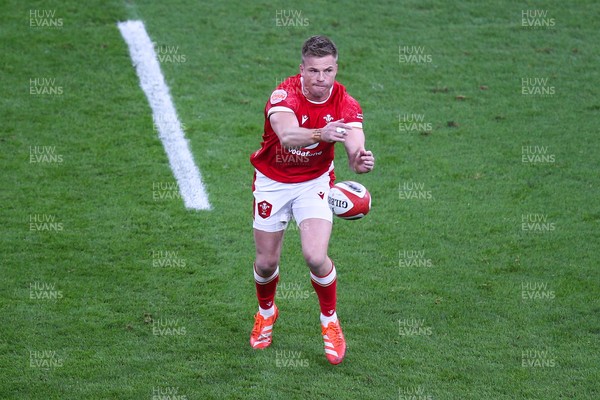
<point>360,160</point>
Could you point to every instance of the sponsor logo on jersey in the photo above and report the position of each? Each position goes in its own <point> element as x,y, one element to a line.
<point>278,96</point>
<point>304,119</point>
<point>359,116</point>
<point>302,151</point>
<point>321,194</point>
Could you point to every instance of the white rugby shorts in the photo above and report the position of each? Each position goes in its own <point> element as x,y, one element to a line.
<point>275,203</point>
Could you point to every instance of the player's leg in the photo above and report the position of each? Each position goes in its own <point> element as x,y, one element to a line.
<point>314,219</point>
<point>314,235</point>
<point>266,275</point>
<point>266,268</point>
<point>271,215</point>
<point>315,222</point>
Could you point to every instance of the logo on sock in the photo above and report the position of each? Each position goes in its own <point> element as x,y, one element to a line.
<point>270,303</point>
<point>330,312</point>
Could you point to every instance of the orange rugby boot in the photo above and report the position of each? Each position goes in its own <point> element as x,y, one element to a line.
<point>335,344</point>
<point>262,332</point>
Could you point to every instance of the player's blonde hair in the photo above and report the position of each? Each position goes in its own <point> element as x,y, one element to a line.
<point>319,46</point>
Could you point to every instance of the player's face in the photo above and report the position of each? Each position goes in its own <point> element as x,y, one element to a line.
<point>318,74</point>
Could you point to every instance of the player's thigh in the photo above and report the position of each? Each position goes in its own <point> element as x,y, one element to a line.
<point>314,235</point>
<point>272,213</point>
<point>268,250</point>
<point>314,218</point>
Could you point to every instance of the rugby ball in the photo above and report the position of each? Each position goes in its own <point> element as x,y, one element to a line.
<point>349,200</point>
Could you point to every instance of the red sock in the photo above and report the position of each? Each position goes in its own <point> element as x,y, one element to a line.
<point>326,286</point>
<point>266,288</point>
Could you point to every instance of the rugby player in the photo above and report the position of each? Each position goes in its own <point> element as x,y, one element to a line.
<point>305,117</point>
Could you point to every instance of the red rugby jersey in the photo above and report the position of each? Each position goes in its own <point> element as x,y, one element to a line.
<point>300,164</point>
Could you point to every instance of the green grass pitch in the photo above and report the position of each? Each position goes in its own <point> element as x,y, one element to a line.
<point>475,276</point>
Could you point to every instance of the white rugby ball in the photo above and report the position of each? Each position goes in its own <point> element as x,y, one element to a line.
<point>349,200</point>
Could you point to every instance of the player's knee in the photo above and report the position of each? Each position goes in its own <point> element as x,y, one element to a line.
<point>266,266</point>
<point>315,261</point>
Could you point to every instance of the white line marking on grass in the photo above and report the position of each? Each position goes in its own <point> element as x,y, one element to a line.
<point>165,117</point>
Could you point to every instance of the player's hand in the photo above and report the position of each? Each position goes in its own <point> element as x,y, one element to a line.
<point>364,162</point>
<point>335,131</point>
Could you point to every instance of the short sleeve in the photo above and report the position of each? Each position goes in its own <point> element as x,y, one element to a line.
<point>352,112</point>
<point>280,100</point>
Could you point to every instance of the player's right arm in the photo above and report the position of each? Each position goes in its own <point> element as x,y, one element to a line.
<point>291,134</point>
